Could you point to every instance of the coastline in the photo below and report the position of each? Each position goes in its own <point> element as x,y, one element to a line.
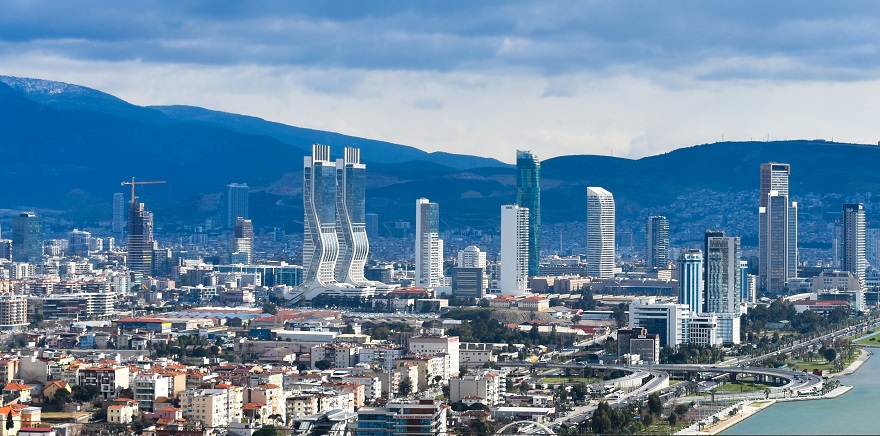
<point>748,408</point>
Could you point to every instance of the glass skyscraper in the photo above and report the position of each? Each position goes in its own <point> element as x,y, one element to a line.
<point>528,194</point>
<point>27,238</point>
<point>236,203</point>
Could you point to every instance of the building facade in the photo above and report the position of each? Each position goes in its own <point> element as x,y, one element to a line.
<point>600,232</point>
<point>657,242</point>
<point>690,279</point>
<point>723,289</point>
<point>27,238</point>
<point>853,238</point>
<point>528,195</point>
<point>514,250</point>
<point>140,243</point>
<point>429,246</point>
<point>236,203</point>
<point>777,228</point>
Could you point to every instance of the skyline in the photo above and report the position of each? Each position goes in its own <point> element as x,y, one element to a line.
<point>558,79</point>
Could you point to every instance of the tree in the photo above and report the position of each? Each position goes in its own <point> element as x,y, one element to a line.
<point>268,430</point>
<point>86,393</point>
<point>348,330</point>
<point>655,405</point>
<point>829,354</point>
<point>9,422</point>
<point>270,308</point>
<point>406,387</point>
<point>480,427</point>
<point>323,364</point>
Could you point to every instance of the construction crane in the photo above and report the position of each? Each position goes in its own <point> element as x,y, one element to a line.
<point>133,183</point>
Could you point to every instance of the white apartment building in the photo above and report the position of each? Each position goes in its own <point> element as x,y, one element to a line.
<point>669,320</point>
<point>514,250</point>
<point>110,379</point>
<point>429,246</point>
<point>438,344</point>
<point>148,387</point>
<point>600,232</point>
<point>340,356</point>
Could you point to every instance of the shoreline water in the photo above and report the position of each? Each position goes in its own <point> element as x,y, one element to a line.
<point>749,408</point>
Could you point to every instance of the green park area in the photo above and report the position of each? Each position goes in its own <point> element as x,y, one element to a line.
<point>872,340</point>
<point>738,386</point>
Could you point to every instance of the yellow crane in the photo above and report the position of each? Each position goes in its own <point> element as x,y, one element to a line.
<point>133,183</point>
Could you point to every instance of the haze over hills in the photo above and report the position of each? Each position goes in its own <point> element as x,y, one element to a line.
<point>66,148</point>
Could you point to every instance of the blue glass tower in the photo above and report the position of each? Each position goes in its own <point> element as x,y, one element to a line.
<point>528,194</point>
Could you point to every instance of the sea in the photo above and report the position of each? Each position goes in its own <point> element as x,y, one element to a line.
<point>855,412</point>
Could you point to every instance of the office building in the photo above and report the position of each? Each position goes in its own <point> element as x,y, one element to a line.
<point>469,278</point>
<point>657,242</point>
<point>747,293</point>
<point>703,330</point>
<point>723,290</point>
<point>140,244</point>
<point>335,245</point>
<point>600,232</point>
<point>6,249</point>
<point>639,341</point>
<point>777,228</point>
<point>528,195</point>
<point>514,250</point>
<point>853,238</point>
<point>728,328</point>
<point>351,218</point>
<point>429,246</point>
<point>417,418</point>
<point>372,220</point>
<point>243,240</point>
<point>690,279</point>
<point>118,223</point>
<point>27,238</point>
<point>472,257</point>
<point>669,320</point>
<point>78,243</point>
<point>236,203</point>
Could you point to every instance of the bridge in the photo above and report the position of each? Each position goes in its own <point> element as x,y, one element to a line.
<point>524,427</point>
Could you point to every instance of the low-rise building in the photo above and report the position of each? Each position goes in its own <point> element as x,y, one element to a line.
<point>484,386</point>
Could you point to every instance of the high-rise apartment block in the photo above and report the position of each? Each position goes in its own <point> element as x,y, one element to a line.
<point>140,244</point>
<point>777,228</point>
<point>236,203</point>
<point>657,242</point>
<point>335,243</point>
<point>690,279</point>
<point>118,223</point>
<point>27,238</point>
<point>723,289</point>
<point>429,246</point>
<point>600,232</point>
<point>528,195</point>
<point>853,238</point>
<point>472,257</point>
<point>514,250</point>
<point>243,239</point>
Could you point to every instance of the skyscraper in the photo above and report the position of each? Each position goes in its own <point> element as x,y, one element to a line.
<point>600,232</point>
<point>27,238</point>
<point>118,213</point>
<point>690,279</point>
<point>351,218</point>
<point>243,239</point>
<point>528,195</point>
<point>140,238</point>
<point>429,246</point>
<point>320,241</point>
<point>723,290</point>
<point>657,242</point>
<point>514,250</point>
<point>78,243</point>
<point>236,203</point>
<point>853,237</point>
<point>777,228</point>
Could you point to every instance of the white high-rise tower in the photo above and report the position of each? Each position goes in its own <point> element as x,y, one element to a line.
<point>429,246</point>
<point>853,237</point>
<point>351,218</point>
<point>600,232</point>
<point>514,250</point>
<point>777,229</point>
<point>320,241</point>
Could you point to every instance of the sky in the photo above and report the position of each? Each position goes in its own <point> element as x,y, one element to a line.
<point>627,79</point>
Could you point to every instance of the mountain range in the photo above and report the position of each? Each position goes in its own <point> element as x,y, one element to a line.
<point>65,149</point>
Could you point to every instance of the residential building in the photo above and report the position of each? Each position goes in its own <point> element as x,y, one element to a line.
<point>853,238</point>
<point>483,387</point>
<point>600,232</point>
<point>690,279</point>
<point>438,344</point>
<point>514,250</point>
<point>243,239</point>
<point>27,238</point>
<point>118,223</point>
<point>429,246</point>
<point>140,245</point>
<point>657,242</point>
<point>528,196</point>
<point>723,290</point>
<point>110,379</point>
<point>78,242</point>
<point>148,386</point>
<point>236,203</point>
<point>339,356</point>
<point>122,413</point>
<point>777,229</point>
<point>213,407</point>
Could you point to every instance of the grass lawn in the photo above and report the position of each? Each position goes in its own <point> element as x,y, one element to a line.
<point>746,387</point>
<point>62,415</point>
<point>874,339</point>
<point>758,403</point>
<point>564,380</point>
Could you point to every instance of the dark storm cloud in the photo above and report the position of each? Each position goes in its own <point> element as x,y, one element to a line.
<point>703,40</point>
